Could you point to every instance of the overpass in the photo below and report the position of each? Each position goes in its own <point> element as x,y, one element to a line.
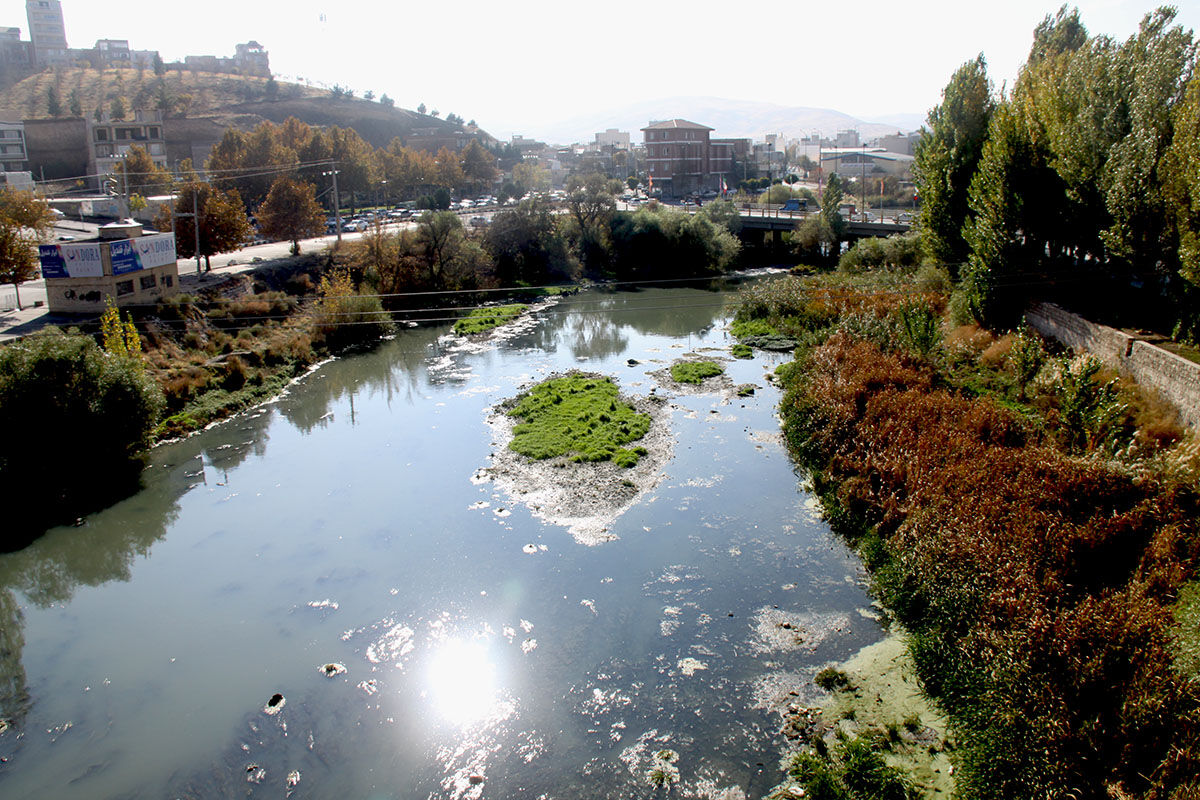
<point>774,219</point>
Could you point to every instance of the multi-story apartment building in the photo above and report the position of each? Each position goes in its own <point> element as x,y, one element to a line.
<point>48,32</point>
<point>109,141</point>
<point>250,58</point>
<point>13,155</point>
<point>683,160</point>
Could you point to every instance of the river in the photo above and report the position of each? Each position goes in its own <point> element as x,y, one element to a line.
<point>486,653</point>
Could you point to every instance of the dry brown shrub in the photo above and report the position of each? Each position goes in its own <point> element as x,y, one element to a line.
<point>996,352</point>
<point>1054,576</point>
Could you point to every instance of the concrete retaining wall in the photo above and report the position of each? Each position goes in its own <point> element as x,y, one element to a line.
<point>1172,376</point>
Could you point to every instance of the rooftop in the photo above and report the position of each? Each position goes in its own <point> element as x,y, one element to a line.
<point>675,123</point>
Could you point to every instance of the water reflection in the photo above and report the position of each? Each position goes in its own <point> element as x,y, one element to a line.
<point>394,371</point>
<point>105,548</point>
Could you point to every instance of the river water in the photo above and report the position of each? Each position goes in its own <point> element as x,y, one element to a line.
<point>486,653</point>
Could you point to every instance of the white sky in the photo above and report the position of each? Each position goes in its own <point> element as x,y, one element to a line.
<point>513,65</point>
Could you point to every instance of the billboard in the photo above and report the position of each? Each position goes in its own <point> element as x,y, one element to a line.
<point>71,260</point>
<point>132,255</point>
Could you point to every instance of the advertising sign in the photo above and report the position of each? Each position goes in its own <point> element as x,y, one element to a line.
<point>71,260</point>
<point>147,252</point>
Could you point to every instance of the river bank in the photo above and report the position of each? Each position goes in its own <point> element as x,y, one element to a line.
<point>1019,515</point>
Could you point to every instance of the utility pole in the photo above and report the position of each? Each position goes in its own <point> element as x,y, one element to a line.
<point>195,217</point>
<point>337,208</point>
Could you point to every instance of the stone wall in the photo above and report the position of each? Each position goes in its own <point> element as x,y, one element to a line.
<point>1173,377</point>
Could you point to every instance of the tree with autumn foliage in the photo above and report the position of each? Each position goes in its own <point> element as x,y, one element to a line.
<point>224,226</point>
<point>141,176</point>
<point>24,220</point>
<point>291,212</point>
<point>478,166</point>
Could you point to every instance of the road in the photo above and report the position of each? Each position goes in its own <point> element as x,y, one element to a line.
<point>14,323</point>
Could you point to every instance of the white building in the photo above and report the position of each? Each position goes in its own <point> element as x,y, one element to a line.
<point>617,140</point>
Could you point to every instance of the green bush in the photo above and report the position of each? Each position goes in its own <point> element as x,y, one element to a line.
<point>78,418</point>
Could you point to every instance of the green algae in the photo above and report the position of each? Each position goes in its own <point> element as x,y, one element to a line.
<point>580,416</point>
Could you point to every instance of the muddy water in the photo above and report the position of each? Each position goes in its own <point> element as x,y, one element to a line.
<point>476,651</point>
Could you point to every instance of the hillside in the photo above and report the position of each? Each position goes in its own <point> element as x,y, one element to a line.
<point>236,100</point>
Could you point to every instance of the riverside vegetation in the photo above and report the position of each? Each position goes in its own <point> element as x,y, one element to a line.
<point>1030,518</point>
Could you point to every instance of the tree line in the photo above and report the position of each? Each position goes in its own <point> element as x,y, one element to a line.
<point>1081,183</point>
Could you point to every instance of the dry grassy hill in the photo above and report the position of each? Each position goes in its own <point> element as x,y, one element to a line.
<point>236,100</point>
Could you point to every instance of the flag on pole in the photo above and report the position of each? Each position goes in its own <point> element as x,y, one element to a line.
<point>724,186</point>
<point>652,182</point>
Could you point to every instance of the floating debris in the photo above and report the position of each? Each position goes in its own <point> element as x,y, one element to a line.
<point>370,686</point>
<point>528,646</point>
<point>591,604</point>
<point>526,625</point>
<point>274,705</point>
<point>331,670</point>
<point>663,769</point>
<point>326,603</point>
<point>690,666</point>
<point>529,549</point>
<point>255,773</point>
<point>293,779</point>
<point>393,645</point>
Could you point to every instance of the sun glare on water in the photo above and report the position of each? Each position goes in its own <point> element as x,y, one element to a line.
<point>463,684</point>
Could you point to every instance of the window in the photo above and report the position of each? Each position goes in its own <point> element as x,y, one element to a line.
<point>101,134</point>
<point>124,287</point>
<point>155,133</point>
<point>148,282</point>
<point>168,280</point>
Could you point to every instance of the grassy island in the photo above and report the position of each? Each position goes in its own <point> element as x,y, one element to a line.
<point>580,416</point>
<point>695,371</point>
<point>482,320</point>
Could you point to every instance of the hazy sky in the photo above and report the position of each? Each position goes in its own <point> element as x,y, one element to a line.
<point>511,65</point>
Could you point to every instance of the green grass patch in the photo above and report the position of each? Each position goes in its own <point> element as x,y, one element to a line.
<point>695,371</point>
<point>743,351</point>
<point>746,390</point>
<point>482,320</point>
<point>580,416</point>
<point>745,328</point>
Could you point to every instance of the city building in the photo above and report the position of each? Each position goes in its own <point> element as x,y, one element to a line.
<point>846,139</point>
<point>678,157</point>
<point>614,139</point>
<point>48,32</point>
<point>13,155</point>
<point>903,143</point>
<point>110,53</point>
<point>15,55</point>
<point>250,58</point>
<point>109,141</point>
<point>121,263</point>
<point>864,162</point>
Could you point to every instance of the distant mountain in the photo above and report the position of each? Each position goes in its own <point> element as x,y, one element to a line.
<point>728,118</point>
